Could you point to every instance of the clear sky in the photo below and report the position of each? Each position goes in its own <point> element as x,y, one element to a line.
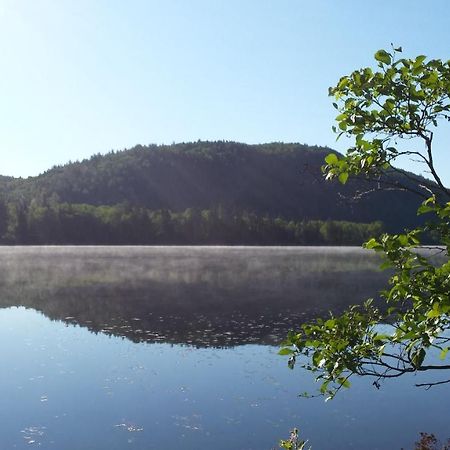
<point>87,76</point>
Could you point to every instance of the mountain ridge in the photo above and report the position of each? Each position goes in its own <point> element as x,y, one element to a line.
<point>274,179</point>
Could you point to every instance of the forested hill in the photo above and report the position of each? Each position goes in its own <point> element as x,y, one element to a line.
<point>275,180</point>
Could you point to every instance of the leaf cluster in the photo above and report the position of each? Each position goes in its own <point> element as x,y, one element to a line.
<point>389,343</point>
<point>294,442</point>
<point>404,99</point>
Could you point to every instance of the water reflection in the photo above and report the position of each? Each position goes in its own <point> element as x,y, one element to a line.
<point>63,387</point>
<point>200,296</point>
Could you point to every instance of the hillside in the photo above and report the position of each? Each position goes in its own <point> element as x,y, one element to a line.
<point>277,180</point>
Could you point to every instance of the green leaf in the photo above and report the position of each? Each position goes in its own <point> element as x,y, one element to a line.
<point>324,386</point>
<point>331,159</point>
<point>418,358</point>
<point>286,351</point>
<point>419,60</point>
<point>317,357</point>
<point>383,56</point>
<point>372,244</point>
<point>386,265</point>
<point>343,177</point>
<point>343,83</point>
<point>444,352</point>
<point>380,337</point>
<point>432,78</point>
<point>423,209</point>
<point>344,382</point>
<point>433,313</point>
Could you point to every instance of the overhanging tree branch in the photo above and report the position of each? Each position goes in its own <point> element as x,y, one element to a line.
<point>404,99</point>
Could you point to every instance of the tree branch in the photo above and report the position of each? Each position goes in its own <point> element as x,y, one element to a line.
<point>431,384</point>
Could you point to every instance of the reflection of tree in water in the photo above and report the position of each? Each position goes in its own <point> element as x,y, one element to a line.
<point>197,296</point>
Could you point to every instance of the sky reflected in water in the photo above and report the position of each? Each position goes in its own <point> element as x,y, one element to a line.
<point>209,379</point>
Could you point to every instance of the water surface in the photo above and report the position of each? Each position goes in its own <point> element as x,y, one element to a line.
<point>175,347</point>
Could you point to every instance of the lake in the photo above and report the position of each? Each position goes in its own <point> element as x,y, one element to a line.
<point>176,348</point>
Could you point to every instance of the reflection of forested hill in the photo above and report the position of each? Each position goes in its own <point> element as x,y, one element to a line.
<point>277,180</point>
<point>199,296</point>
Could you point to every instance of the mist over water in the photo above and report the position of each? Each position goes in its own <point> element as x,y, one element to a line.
<point>176,347</point>
<point>207,296</point>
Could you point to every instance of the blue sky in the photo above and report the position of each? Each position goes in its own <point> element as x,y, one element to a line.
<point>88,76</point>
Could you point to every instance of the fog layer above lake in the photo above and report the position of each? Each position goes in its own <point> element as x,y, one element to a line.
<point>202,296</point>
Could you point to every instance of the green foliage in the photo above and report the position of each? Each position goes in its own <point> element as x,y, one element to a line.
<point>274,180</point>
<point>64,223</point>
<point>294,442</point>
<point>405,99</point>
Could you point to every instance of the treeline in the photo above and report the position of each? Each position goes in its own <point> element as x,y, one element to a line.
<point>277,180</point>
<point>82,224</point>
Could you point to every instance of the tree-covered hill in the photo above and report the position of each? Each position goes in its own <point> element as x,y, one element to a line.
<point>275,180</point>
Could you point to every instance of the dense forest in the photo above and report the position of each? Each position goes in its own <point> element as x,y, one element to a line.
<point>201,193</point>
<point>118,225</point>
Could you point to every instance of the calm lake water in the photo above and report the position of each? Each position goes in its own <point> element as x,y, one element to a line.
<point>176,348</point>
